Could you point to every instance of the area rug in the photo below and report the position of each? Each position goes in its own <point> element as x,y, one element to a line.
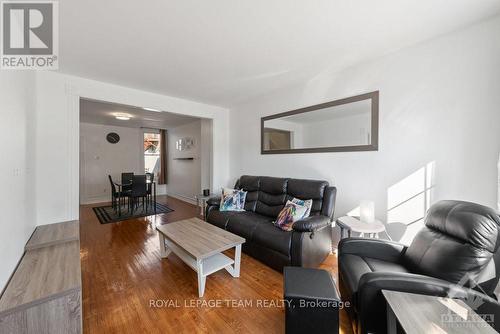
<point>106,214</point>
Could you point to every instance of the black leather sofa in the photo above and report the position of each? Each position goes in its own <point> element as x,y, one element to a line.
<point>310,241</point>
<point>459,240</point>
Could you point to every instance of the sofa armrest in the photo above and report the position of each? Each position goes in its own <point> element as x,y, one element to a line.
<point>407,282</point>
<point>213,201</point>
<point>374,248</point>
<point>371,305</point>
<point>213,204</point>
<point>311,224</point>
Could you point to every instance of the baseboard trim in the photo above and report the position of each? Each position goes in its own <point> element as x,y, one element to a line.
<point>183,198</point>
<point>95,200</point>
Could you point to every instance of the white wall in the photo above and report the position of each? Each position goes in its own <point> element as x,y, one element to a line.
<point>439,102</point>
<point>184,176</point>
<point>17,101</point>
<point>99,158</point>
<point>57,139</point>
<point>206,148</point>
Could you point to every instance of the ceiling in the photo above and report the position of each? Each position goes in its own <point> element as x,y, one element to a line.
<point>224,52</point>
<point>98,112</point>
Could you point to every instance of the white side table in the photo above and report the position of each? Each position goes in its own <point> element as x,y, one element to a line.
<point>350,224</point>
<point>201,201</point>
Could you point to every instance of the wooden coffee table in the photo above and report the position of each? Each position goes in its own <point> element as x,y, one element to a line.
<point>200,246</point>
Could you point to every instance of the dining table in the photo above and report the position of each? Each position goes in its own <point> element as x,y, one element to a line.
<point>121,185</point>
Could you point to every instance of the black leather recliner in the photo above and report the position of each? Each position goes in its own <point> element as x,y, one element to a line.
<point>310,241</point>
<point>457,248</point>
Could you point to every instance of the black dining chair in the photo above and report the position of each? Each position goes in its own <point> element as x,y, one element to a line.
<point>138,191</point>
<point>117,195</point>
<point>127,179</point>
<point>150,177</point>
<point>114,193</point>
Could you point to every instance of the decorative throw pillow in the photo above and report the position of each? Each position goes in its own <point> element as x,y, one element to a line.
<point>307,203</point>
<point>232,200</point>
<point>291,213</point>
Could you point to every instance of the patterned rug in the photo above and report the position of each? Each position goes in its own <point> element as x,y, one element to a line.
<point>106,214</point>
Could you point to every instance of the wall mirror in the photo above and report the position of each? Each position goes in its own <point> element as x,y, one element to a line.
<point>345,125</point>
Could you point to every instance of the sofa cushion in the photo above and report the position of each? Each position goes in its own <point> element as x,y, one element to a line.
<point>308,189</point>
<point>354,266</point>
<point>251,185</point>
<point>232,200</point>
<point>307,203</point>
<point>273,185</point>
<point>272,196</point>
<point>245,223</point>
<point>220,218</point>
<point>377,265</point>
<point>291,213</point>
<point>248,183</point>
<point>272,237</point>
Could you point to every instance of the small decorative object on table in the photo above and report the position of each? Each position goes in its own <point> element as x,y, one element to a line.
<point>367,212</point>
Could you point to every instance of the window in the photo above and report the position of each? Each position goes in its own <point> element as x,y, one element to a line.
<point>152,153</point>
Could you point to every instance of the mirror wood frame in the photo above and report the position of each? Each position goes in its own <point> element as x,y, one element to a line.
<point>373,146</point>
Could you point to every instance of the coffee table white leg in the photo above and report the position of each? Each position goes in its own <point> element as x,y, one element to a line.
<point>201,278</point>
<point>237,261</point>
<point>164,251</point>
<point>234,269</point>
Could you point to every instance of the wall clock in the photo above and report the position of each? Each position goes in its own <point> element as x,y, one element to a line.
<point>113,137</point>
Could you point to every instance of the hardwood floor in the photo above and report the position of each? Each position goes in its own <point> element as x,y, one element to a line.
<point>123,276</point>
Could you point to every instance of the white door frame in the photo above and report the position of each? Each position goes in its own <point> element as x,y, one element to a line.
<point>75,92</point>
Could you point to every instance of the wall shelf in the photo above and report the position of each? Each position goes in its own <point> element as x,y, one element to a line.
<point>186,159</point>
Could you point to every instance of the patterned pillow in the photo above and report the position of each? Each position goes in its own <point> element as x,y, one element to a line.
<point>232,200</point>
<point>307,203</point>
<point>291,213</point>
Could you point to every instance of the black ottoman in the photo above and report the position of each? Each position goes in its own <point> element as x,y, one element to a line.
<point>311,301</point>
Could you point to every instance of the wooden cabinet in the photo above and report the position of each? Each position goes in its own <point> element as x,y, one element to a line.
<point>44,293</point>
